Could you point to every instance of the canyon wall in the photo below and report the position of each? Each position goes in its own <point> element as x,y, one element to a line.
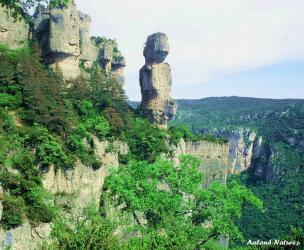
<point>214,158</point>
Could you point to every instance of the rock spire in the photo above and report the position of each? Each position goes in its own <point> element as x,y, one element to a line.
<point>155,81</point>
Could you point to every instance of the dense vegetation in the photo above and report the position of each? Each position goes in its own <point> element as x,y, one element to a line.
<point>280,185</point>
<point>21,8</point>
<point>46,121</point>
<point>157,206</point>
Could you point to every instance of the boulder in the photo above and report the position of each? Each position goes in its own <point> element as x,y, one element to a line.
<point>157,48</point>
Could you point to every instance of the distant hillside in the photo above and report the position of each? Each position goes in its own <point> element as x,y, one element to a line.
<point>232,112</point>
<point>277,173</point>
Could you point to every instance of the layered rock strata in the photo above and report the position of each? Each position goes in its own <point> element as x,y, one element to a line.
<point>156,80</point>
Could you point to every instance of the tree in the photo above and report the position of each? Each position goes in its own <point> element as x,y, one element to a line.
<point>171,208</point>
<point>87,230</point>
<point>21,8</point>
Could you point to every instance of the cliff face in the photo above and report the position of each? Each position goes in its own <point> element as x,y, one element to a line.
<point>72,189</point>
<point>83,182</point>
<point>214,158</point>
<point>64,35</point>
<point>14,33</point>
<point>244,145</point>
<point>156,81</point>
<point>65,41</point>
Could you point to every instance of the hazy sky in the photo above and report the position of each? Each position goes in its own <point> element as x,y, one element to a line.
<point>218,47</point>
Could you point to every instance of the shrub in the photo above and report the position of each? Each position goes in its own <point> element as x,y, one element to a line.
<point>48,150</point>
<point>146,141</point>
<point>88,231</point>
<point>8,100</point>
<point>11,182</point>
<point>39,208</point>
<point>13,212</point>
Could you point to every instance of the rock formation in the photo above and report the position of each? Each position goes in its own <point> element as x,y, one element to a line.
<point>14,33</point>
<point>155,81</point>
<point>65,40</point>
<point>214,158</point>
<point>244,145</point>
<point>84,182</point>
<point>72,188</point>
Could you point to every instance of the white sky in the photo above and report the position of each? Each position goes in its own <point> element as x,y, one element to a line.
<point>208,38</point>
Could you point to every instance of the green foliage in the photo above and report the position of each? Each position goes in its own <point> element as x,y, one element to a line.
<point>13,212</point>
<point>184,132</point>
<point>146,141</point>
<point>26,83</point>
<point>39,208</point>
<point>20,9</point>
<point>47,150</point>
<point>283,202</point>
<point>281,124</point>
<point>88,231</point>
<point>19,177</point>
<point>171,199</point>
<point>101,41</point>
<point>204,115</point>
<point>83,133</point>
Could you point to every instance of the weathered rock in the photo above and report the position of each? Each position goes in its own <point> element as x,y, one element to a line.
<point>243,145</point>
<point>107,56</point>
<point>89,51</point>
<point>64,30</point>
<point>14,33</point>
<point>41,30</point>
<point>118,65</point>
<point>82,181</point>
<point>25,237</point>
<point>64,40</point>
<point>155,81</point>
<point>157,48</point>
<point>214,158</point>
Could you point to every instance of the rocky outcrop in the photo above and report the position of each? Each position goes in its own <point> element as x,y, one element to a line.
<point>66,42</point>
<point>72,189</point>
<point>155,81</point>
<point>244,145</point>
<point>14,33</point>
<point>89,51</point>
<point>82,182</point>
<point>25,237</point>
<point>214,158</point>
<point>111,59</point>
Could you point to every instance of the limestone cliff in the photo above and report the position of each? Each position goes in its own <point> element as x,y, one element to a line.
<point>14,33</point>
<point>83,182</point>
<point>244,145</point>
<point>64,35</point>
<point>72,189</point>
<point>156,81</point>
<point>214,158</point>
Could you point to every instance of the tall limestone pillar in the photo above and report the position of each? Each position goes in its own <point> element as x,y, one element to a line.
<point>155,81</point>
